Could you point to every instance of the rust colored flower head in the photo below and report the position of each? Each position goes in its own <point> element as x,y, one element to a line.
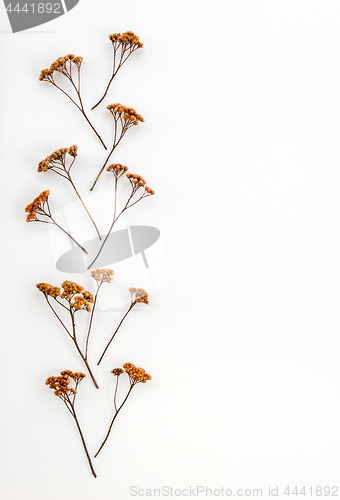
<point>102,275</point>
<point>117,169</point>
<point>73,151</point>
<point>77,376</point>
<point>77,61</point>
<point>136,180</point>
<point>136,374</point>
<point>128,38</point>
<point>78,297</point>
<point>139,295</point>
<point>117,371</point>
<point>60,384</point>
<point>129,115</point>
<point>48,289</point>
<point>36,205</point>
<point>57,157</point>
<point>60,65</point>
<point>70,288</point>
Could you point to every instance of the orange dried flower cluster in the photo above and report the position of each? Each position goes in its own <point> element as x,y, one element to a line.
<point>60,65</point>
<point>48,289</point>
<point>128,38</point>
<point>117,371</point>
<point>102,275</point>
<point>117,169</point>
<point>128,114</point>
<point>136,374</point>
<point>81,301</point>
<point>73,151</point>
<point>57,157</point>
<point>137,181</point>
<point>70,289</point>
<point>61,384</point>
<point>36,204</point>
<point>139,295</point>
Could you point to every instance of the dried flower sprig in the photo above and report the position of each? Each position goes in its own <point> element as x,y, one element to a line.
<point>136,376</point>
<point>138,296</point>
<point>137,184</point>
<point>40,208</point>
<point>62,389</point>
<point>56,162</point>
<point>123,46</point>
<point>64,65</point>
<point>124,118</point>
<point>100,276</point>
<point>77,299</point>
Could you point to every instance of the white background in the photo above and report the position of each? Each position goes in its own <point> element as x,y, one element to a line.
<point>241,144</point>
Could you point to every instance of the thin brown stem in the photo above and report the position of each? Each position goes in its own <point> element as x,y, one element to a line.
<point>115,394</point>
<point>121,321</point>
<point>68,234</point>
<point>83,441</point>
<point>114,72</point>
<point>114,222</point>
<point>74,337</point>
<point>114,418</point>
<point>81,107</point>
<point>81,200</point>
<point>57,315</point>
<point>91,319</point>
<point>115,144</point>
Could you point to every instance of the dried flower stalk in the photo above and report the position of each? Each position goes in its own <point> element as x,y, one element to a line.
<point>64,65</point>
<point>56,162</point>
<point>136,376</point>
<point>124,118</point>
<point>67,394</point>
<point>138,295</point>
<point>100,276</point>
<point>123,46</point>
<point>137,183</point>
<point>40,208</point>
<point>77,299</point>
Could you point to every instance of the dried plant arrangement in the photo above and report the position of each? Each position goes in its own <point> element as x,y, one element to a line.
<point>40,208</point>
<point>123,119</point>
<point>136,376</point>
<point>76,299</point>
<point>123,46</point>
<point>137,184</point>
<point>62,389</point>
<point>138,296</point>
<point>69,66</point>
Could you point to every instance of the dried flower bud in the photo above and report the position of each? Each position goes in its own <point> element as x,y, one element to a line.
<point>117,371</point>
<point>73,151</point>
